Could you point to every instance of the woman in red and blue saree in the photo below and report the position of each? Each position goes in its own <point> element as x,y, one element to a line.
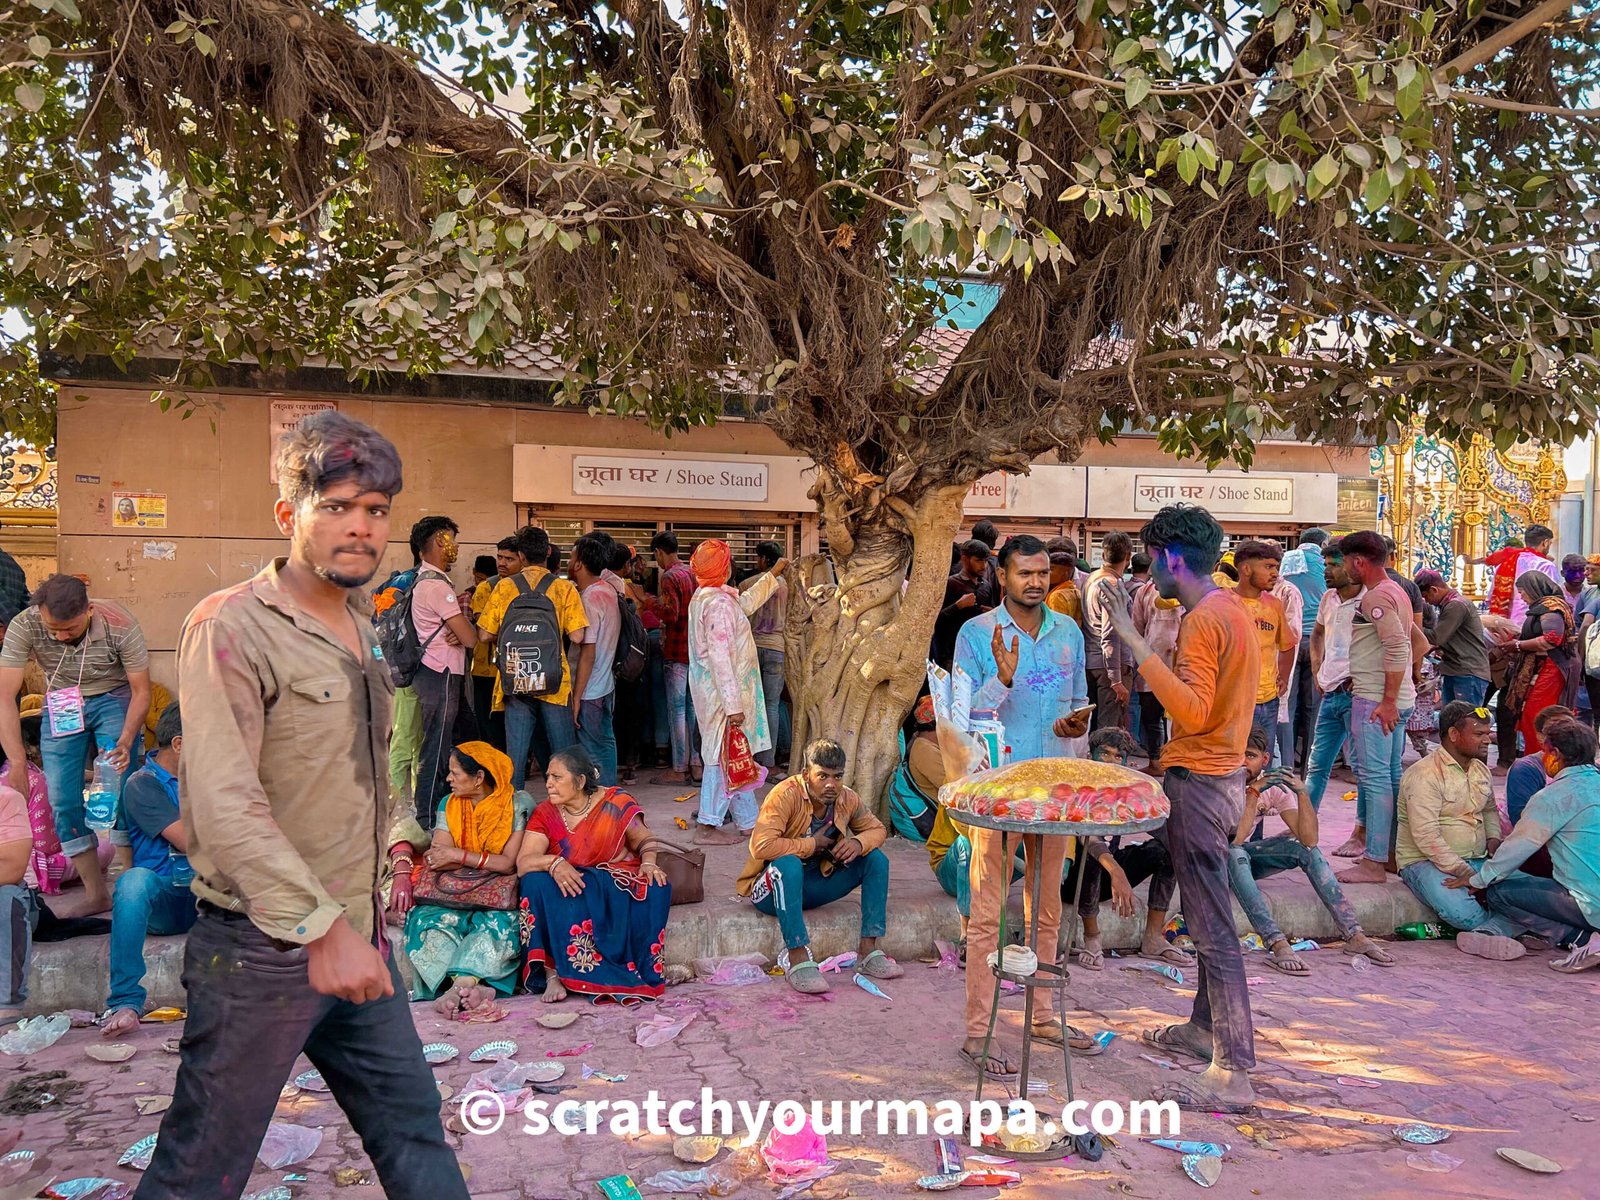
<point>594,902</point>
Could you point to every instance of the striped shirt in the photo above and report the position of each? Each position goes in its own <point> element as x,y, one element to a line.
<point>98,663</point>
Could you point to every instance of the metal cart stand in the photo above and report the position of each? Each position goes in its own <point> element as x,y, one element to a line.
<point>1052,972</point>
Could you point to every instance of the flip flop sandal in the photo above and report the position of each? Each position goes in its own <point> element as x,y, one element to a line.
<point>1090,960</point>
<point>1372,955</point>
<point>1082,1044</point>
<point>879,965</point>
<point>1192,1100</point>
<point>1000,1074</point>
<point>1287,966</point>
<point>806,978</point>
<point>1160,1038</point>
<point>1172,955</point>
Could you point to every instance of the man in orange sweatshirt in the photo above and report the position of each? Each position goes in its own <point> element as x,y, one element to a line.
<point>1211,706</point>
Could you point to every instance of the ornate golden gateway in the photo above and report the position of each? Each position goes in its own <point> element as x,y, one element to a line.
<point>1444,504</point>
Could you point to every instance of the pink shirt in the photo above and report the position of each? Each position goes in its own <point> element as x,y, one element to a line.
<point>14,826</point>
<point>433,603</point>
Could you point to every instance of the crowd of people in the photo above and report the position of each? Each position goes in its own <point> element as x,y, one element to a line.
<point>340,762</point>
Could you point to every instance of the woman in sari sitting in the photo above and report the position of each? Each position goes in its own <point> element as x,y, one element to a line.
<point>1548,668</point>
<point>479,826</point>
<point>594,902</point>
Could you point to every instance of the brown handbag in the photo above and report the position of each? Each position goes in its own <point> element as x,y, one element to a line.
<point>465,887</point>
<point>685,869</point>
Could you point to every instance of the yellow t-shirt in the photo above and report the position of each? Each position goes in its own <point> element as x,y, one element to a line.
<point>1066,600</point>
<point>569,613</point>
<point>1274,635</point>
<point>940,838</point>
<point>483,653</point>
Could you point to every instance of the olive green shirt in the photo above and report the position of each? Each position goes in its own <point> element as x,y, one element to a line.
<point>284,772</point>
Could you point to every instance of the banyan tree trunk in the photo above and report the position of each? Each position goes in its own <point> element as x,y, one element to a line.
<point>857,648</point>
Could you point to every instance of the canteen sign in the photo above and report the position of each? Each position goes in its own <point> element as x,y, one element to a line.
<point>668,479</point>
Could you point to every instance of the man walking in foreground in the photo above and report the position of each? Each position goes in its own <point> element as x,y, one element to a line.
<point>1209,692</point>
<point>285,803</point>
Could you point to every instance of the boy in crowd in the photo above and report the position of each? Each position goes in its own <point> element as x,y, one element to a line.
<point>152,896</point>
<point>1282,794</point>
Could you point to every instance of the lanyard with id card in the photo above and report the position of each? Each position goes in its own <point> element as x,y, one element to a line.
<point>65,705</point>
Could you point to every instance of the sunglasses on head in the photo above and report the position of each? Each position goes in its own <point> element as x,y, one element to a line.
<point>1481,713</point>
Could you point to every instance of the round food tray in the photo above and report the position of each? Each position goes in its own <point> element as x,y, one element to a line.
<point>1068,828</point>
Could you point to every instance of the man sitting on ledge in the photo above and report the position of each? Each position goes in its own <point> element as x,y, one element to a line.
<point>814,843</point>
<point>1283,794</point>
<point>152,896</point>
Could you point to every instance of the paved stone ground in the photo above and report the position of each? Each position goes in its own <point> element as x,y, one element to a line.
<point>1500,1054</point>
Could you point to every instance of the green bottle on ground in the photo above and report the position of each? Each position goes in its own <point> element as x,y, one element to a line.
<point>1423,931</point>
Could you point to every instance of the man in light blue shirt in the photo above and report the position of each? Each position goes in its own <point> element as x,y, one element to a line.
<point>1026,663</point>
<point>1565,816</point>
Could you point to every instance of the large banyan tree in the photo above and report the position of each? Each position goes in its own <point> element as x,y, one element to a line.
<point>1205,219</point>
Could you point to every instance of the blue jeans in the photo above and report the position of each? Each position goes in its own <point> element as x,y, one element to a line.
<point>1377,763</point>
<point>1268,856</point>
<point>1266,720</point>
<point>144,903</point>
<point>252,1011</point>
<point>772,692</point>
<point>715,800</point>
<point>1541,906</point>
<point>1331,732</point>
<point>555,720</point>
<point>1463,687</point>
<point>598,735</point>
<point>19,913</point>
<point>790,885</point>
<point>64,757</point>
<point>1456,906</point>
<point>954,874</point>
<point>678,714</point>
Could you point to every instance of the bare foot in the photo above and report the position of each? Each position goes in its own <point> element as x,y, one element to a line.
<point>663,778</point>
<point>1354,845</point>
<point>124,1020</point>
<point>9,1016</point>
<point>1364,871</point>
<point>711,835</point>
<point>554,991</point>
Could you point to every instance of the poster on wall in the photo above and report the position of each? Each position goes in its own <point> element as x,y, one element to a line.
<point>285,415</point>
<point>138,510</point>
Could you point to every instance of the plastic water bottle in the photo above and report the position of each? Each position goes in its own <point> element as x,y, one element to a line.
<point>100,801</point>
<point>182,872</point>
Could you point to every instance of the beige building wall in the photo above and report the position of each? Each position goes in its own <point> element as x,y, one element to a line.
<point>212,470</point>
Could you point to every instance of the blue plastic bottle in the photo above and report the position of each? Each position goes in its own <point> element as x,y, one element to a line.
<point>100,801</point>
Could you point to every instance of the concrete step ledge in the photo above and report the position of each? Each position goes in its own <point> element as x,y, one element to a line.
<point>73,974</point>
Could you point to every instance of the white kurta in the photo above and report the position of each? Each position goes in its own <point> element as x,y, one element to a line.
<point>724,671</point>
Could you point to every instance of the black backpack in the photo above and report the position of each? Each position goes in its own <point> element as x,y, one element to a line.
<point>633,643</point>
<point>528,648</point>
<point>397,630</point>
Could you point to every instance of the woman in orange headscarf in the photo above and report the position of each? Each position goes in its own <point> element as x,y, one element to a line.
<point>725,681</point>
<point>477,835</point>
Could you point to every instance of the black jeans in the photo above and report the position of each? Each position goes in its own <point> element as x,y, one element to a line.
<point>1303,716</point>
<point>251,1013</point>
<point>491,724</point>
<point>1152,725</point>
<point>439,696</point>
<point>1140,861</point>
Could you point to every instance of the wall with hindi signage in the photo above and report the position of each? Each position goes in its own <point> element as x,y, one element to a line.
<point>1047,491</point>
<point>1127,493</point>
<point>603,478</point>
